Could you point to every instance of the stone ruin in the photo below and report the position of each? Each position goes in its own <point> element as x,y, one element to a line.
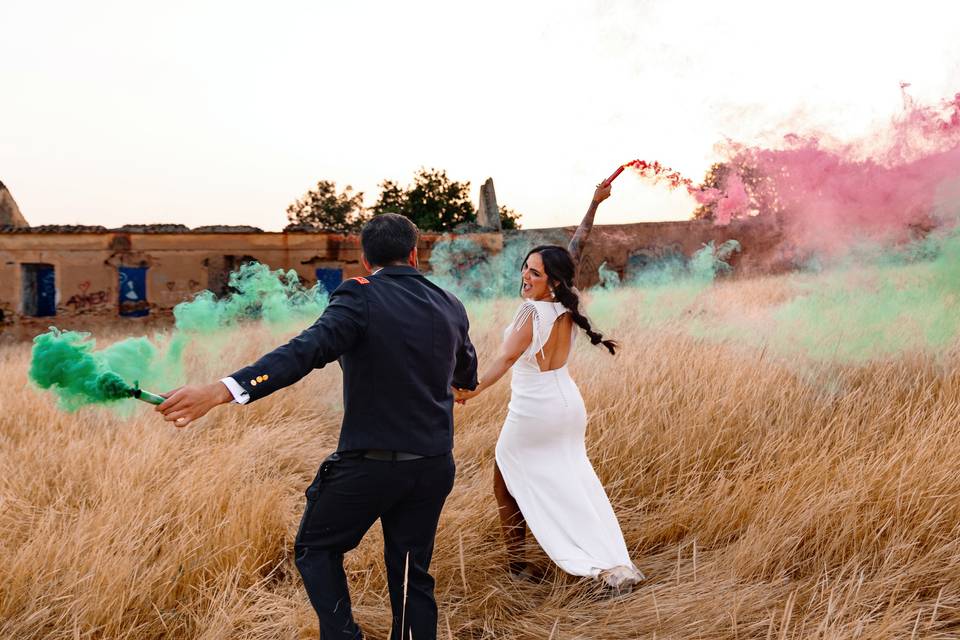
<point>92,271</point>
<point>488,213</point>
<point>10,215</point>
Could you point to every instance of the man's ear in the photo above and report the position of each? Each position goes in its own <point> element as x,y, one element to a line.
<point>413,259</point>
<point>365,263</point>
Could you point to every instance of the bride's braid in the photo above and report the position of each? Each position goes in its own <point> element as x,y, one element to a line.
<point>560,268</point>
<point>566,296</point>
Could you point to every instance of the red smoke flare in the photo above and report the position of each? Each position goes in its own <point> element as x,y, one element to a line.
<point>613,176</point>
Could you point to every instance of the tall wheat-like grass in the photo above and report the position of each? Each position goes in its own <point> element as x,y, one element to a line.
<point>764,495</point>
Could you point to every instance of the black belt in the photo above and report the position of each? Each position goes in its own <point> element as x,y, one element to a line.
<point>391,456</point>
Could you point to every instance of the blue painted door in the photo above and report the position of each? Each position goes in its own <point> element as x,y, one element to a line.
<point>330,278</point>
<point>46,291</point>
<point>133,292</point>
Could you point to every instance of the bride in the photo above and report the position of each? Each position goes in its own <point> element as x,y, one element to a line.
<point>542,478</point>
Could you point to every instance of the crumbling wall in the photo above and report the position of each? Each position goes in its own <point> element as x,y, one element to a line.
<point>84,284</point>
<point>633,245</point>
<point>178,264</point>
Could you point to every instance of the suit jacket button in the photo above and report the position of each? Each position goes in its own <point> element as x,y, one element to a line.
<point>253,383</point>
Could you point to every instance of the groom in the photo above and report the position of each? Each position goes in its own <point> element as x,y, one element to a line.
<point>402,344</point>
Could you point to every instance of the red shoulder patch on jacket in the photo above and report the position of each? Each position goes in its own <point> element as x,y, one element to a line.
<point>360,279</point>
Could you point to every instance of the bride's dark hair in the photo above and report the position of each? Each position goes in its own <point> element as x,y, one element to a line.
<point>559,267</point>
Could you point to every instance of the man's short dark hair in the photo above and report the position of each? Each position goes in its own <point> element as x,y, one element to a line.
<point>388,238</point>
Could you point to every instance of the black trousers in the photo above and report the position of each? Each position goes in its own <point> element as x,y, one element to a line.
<point>348,495</point>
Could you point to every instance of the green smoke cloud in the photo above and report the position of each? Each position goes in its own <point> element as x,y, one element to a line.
<point>256,293</point>
<point>662,291</point>
<point>65,362</point>
<point>668,285</point>
<point>905,299</point>
<point>882,301</point>
<point>463,267</point>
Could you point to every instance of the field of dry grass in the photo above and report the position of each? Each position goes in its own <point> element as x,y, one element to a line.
<point>764,496</point>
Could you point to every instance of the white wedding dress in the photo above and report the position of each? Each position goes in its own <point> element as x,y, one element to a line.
<point>542,457</point>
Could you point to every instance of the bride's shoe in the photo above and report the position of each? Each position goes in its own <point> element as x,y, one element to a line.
<point>620,581</point>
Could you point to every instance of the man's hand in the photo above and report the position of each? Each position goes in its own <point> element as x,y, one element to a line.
<point>460,396</point>
<point>186,404</point>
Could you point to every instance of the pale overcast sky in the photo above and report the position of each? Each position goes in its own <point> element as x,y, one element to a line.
<point>209,112</point>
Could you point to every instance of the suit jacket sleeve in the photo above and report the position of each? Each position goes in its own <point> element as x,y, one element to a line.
<point>465,370</point>
<point>342,324</point>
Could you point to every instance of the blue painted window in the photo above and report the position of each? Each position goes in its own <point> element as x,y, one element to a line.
<point>133,292</point>
<point>330,278</point>
<point>46,292</point>
<point>39,290</point>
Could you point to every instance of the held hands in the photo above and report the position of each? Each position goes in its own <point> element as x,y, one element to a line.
<point>460,396</point>
<point>602,193</point>
<point>186,404</point>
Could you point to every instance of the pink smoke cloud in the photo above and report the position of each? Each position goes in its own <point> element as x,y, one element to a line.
<point>734,200</point>
<point>827,198</point>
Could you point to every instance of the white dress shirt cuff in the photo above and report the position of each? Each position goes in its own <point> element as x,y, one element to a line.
<point>239,395</point>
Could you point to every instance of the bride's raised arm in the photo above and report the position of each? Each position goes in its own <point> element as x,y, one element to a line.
<point>579,239</point>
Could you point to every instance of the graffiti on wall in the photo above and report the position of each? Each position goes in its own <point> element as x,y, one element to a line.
<point>85,299</point>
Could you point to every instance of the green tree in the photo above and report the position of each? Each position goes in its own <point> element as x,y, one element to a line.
<point>392,199</point>
<point>433,202</point>
<point>323,208</point>
<point>761,189</point>
<point>509,219</point>
<point>715,178</point>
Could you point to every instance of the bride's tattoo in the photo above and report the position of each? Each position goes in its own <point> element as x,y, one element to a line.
<point>579,240</point>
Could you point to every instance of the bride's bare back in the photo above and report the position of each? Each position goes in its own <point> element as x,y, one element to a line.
<point>556,350</point>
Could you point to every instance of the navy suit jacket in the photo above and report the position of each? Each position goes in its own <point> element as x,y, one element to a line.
<point>402,342</point>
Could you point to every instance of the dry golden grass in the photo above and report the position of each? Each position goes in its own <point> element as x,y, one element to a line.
<point>763,497</point>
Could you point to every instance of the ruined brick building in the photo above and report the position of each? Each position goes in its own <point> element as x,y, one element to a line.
<point>137,271</point>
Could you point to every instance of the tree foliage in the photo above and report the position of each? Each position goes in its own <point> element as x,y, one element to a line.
<point>434,202</point>
<point>715,178</point>
<point>509,219</point>
<point>322,207</point>
<point>761,190</point>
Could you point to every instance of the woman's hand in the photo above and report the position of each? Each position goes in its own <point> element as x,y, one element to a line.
<point>460,396</point>
<point>602,193</point>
